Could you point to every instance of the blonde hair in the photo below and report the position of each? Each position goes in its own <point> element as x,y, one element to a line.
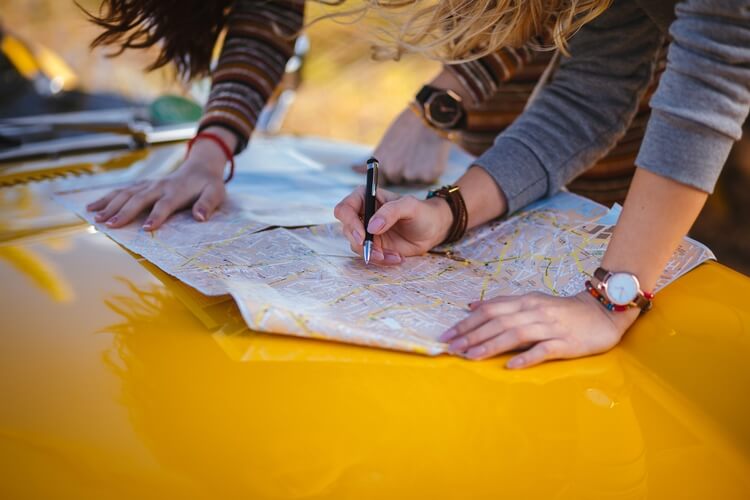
<point>459,30</point>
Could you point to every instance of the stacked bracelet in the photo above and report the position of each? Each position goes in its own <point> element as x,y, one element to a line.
<point>452,195</point>
<point>609,306</point>
<point>222,145</point>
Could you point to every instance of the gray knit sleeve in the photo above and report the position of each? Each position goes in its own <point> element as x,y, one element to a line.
<point>582,112</point>
<point>704,95</point>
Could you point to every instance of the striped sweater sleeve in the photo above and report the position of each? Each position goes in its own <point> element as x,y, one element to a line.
<point>482,77</point>
<point>259,40</point>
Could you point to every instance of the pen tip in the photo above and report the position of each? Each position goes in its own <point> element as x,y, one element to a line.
<point>372,160</point>
<point>367,250</point>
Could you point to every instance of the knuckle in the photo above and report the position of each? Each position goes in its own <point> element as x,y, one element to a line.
<point>409,201</point>
<point>529,301</point>
<point>522,335</point>
<point>478,337</point>
<point>500,324</point>
<point>473,337</point>
<point>140,198</point>
<point>168,200</point>
<point>337,210</point>
<point>546,315</point>
<point>545,350</point>
<point>462,327</point>
<point>160,209</point>
<point>485,311</point>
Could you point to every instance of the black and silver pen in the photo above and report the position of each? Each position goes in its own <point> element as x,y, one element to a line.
<point>371,189</point>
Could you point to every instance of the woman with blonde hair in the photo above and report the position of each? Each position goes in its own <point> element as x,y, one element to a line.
<point>611,50</point>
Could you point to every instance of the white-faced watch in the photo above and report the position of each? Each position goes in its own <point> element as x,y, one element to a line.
<point>621,289</point>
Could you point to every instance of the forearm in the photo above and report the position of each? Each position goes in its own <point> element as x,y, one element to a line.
<point>658,213</point>
<point>483,197</point>
<point>258,44</point>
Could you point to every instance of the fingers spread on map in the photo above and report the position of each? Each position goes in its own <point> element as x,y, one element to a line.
<point>542,326</point>
<point>166,196</point>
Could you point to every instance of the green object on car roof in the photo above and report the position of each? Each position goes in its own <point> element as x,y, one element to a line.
<point>173,109</point>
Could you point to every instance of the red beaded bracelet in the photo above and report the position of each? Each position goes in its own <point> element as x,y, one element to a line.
<point>222,145</point>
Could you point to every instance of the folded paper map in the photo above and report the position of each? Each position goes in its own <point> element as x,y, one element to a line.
<point>307,282</point>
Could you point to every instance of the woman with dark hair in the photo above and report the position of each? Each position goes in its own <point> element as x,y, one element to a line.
<point>259,41</point>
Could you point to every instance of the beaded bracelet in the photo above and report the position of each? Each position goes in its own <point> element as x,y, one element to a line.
<point>222,145</point>
<point>609,306</point>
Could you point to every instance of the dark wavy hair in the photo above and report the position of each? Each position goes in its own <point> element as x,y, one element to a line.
<point>185,30</point>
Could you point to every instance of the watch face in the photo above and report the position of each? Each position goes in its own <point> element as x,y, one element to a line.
<point>622,288</point>
<point>443,110</point>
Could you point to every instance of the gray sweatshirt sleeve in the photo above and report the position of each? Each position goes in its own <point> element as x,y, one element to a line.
<point>582,112</point>
<point>704,94</point>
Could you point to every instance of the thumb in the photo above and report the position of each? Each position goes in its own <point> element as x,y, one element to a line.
<point>209,200</point>
<point>391,213</point>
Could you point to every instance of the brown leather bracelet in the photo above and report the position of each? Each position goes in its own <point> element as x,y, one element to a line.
<point>452,195</point>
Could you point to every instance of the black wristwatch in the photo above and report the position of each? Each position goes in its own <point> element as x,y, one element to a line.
<point>441,109</point>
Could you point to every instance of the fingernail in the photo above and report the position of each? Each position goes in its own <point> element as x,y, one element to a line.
<point>99,217</point>
<point>392,258</point>
<point>377,255</point>
<point>200,214</point>
<point>376,225</point>
<point>459,345</point>
<point>357,237</point>
<point>516,362</point>
<point>147,225</point>
<point>476,352</point>
<point>447,335</point>
<point>112,221</point>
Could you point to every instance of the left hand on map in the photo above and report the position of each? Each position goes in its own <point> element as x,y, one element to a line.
<point>543,326</point>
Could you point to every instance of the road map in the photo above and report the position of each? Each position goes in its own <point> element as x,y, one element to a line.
<point>305,281</point>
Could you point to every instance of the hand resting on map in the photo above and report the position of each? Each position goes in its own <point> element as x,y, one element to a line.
<point>542,327</point>
<point>198,182</point>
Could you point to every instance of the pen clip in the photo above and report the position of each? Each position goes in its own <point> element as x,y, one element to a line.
<point>372,164</point>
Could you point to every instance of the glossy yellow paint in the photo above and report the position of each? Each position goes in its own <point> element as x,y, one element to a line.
<point>31,61</point>
<point>135,386</point>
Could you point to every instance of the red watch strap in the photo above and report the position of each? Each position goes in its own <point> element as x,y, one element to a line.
<point>222,145</point>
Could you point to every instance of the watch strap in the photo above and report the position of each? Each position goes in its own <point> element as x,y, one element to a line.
<point>452,195</point>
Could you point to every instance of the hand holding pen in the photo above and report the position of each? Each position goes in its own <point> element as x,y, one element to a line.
<point>400,226</point>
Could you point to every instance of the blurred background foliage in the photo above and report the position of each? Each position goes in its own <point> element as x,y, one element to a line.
<point>344,95</point>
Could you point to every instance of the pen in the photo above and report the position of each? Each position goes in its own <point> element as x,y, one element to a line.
<point>371,189</point>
